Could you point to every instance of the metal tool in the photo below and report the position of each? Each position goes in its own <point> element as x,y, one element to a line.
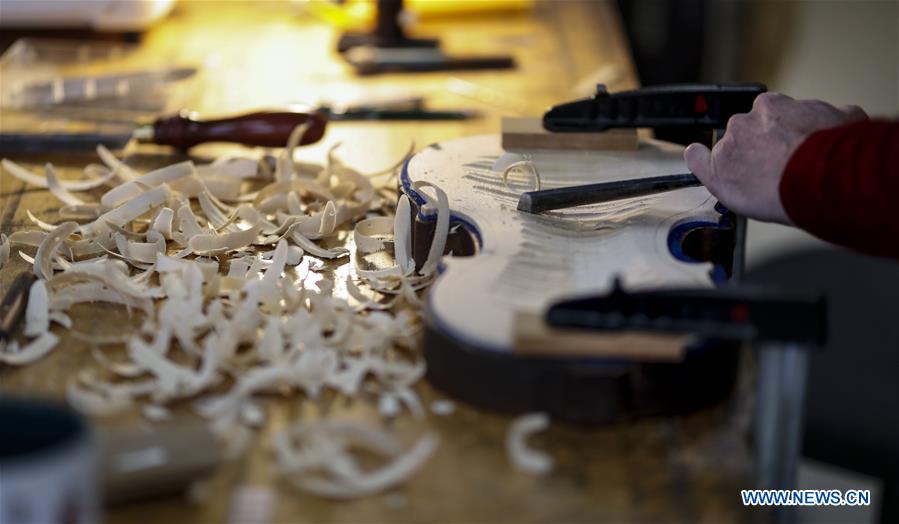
<point>389,50</point>
<point>388,30</point>
<point>374,60</point>
<point>565,197</point>
<point>84,89</point>
<point>395,108</point>
<point>679,105</point>
<point>403,114</point>
<point>266,129</point>
<point>12,308</point>
<point>33,143</point>
<point>181,131</point>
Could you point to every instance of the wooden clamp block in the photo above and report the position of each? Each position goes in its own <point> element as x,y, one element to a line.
<point>528,133</point>
<point>534,338</point>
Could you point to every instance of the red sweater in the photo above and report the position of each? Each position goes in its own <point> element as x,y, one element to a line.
<point>842,185</point>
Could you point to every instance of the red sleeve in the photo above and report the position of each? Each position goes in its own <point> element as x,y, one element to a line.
<point>842,185</point>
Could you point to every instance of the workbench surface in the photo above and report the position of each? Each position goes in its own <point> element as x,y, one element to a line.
<point>271,53</point>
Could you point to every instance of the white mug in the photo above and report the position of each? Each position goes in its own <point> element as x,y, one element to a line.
<point>48,464</point>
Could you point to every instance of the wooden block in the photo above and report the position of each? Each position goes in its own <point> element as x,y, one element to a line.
<point>534,338</point>
<point>528,133</point>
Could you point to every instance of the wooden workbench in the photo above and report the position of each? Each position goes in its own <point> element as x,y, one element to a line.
<point>271,53</point>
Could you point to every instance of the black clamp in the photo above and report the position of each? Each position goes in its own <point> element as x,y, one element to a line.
<point>705,106</point>
<point>742,313</point>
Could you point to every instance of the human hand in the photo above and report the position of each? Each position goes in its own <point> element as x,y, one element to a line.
<point>743,170</point>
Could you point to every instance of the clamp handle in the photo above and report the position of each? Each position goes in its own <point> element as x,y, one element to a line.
<point>704,106</point>
<point>743,313</point>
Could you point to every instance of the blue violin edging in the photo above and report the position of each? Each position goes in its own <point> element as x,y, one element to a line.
<point>420,201</point>
<point>406,182</point>
<point>675,245</point>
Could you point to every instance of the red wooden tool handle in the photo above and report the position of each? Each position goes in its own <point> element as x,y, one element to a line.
<point>264,128</point>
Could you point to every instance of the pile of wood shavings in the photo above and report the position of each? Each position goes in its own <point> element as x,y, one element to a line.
<point>217,275</point>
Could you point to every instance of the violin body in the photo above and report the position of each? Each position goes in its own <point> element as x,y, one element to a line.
<point>520,264</point>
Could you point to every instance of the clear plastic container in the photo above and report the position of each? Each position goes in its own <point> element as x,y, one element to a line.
<point>58,95</point>
<point>90,80</point>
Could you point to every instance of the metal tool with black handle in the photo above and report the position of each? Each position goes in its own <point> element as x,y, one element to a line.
<point>565,197</point>
<point>181,131</point>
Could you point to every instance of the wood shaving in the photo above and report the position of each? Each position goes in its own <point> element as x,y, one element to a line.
<point>527,164</point>
<point>117,167</point>
<point>318,458</point>
<point>32,352</point>
<point>156,413</point>
<point>252,504</point>
<point>60,318</point>
<point>30,178</point>
<point>124,192</point>
<point>442,407</point>
<point>58,190</point>
<point>218,274</point>
<point>80,212</point>
<point>37,313</point>
<point>369,234</point>
<point>212,244</point>
<point>438,244</point>
<point>522,457</point>
<point>389,406</point>
<point>402,246</point>
<point>47,249</point>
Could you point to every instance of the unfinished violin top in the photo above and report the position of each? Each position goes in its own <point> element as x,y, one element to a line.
<point>525,262</point>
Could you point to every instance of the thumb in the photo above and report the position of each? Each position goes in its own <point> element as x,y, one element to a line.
<point>699,162</point>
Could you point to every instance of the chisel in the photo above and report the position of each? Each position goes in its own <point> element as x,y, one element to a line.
<point>181,131</point>
<point>565,197</point>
